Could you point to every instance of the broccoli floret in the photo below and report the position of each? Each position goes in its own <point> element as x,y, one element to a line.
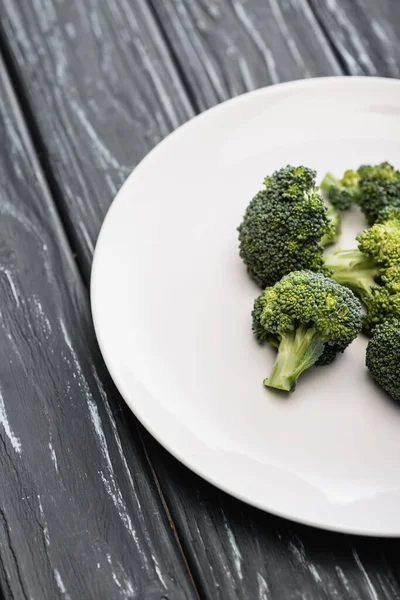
<point>310,318</point>
<point>283,227</point>
<point>378,249</point>
<point>341,193</point>
<point>383,357</point>
<point>383,302</point>
<point>379,187</point>
<point>382,240</point>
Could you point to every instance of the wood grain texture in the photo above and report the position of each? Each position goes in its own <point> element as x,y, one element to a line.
<point>364,34</point>
<point>241,553</point>
<point>230,47</point>
<point>222,48</point>
<point>79,517</point>
<point>103,90</point>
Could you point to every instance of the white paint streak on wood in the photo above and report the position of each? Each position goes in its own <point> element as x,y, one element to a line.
<point>60,584</point>
<point>362,57</point>
<point>95,23</point>
<point>86,237</point>
<point>10,8</point>
<point>70,30</point>
<point>41,316</point>
<point>386,582</point>
<point>185,28</point>
<point>298,552</point>
<point>245,72</point>
<point>372,591</point>
<point>314,573</point>
<point>342,578</point>
<point>14,440</point>
<point>109,482</point>
<point>46,537</point>
<point>53,456</point>
<point>237,555</point>
<point>163,96</point>
<point>316,30</point>
<point>262,587</point>
<point>45,15</point>
<point>281,22</point>
<point>58,50</point>
<point>158,571</point>
<point>257,40</point>
<point>388,39</point>
<point>100,150</point>
<point>127,471</point>
<point>126,587</point>
<point>111,184</point>
<point>13,287</point>
<point>107,407</point>
<point>153,70</point>
<point>44,524</point>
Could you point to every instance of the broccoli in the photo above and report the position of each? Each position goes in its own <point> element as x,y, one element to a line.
<point>341,193</point>
<point>383,302</point>
<point>310,319</point>
<point>383,357</point>
<point>379,187</point>
<point>334,233</point>
<point>284,225</point>
<point>373,269</point>
<point>373,187</point>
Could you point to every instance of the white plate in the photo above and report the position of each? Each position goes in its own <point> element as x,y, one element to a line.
<point>172,300</point>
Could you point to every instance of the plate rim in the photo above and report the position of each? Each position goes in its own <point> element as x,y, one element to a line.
<point>96,268</point>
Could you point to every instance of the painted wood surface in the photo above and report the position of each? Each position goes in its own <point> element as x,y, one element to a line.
<point>363,34</point>
<point>230,47</point>
<point>80,517</point>
<point>100,83</point>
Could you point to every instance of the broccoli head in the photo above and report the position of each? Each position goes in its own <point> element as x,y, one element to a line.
<point>382,240</point>
<point>283,226</point>
<point>383,302</point>
<point>383,357</point>
<point>310,319</point>
<point>370,269</point>
<point>379,187</point>
<point>341,193</point>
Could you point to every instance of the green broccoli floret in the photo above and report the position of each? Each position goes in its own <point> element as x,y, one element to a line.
<point>341,193</point>
<point>379,187</point>
<point>309,318</point>
<point>364,268</point>
<point>283,226</point>
<point>383,302</point>
<point>383,357</point>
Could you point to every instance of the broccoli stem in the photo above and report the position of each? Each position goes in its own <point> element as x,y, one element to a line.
<point>328,181</point>
<point>354,270</point>
<point>298,351</point>
<point>334,217</point>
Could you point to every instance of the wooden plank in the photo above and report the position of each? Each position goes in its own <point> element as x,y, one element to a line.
<point>364,34</point>
<point>79,516</point>
<point>235,552</point>
<point>230,47</point>
<point>104,91</point>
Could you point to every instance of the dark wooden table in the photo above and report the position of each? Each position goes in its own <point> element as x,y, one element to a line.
<point>90,506</point>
